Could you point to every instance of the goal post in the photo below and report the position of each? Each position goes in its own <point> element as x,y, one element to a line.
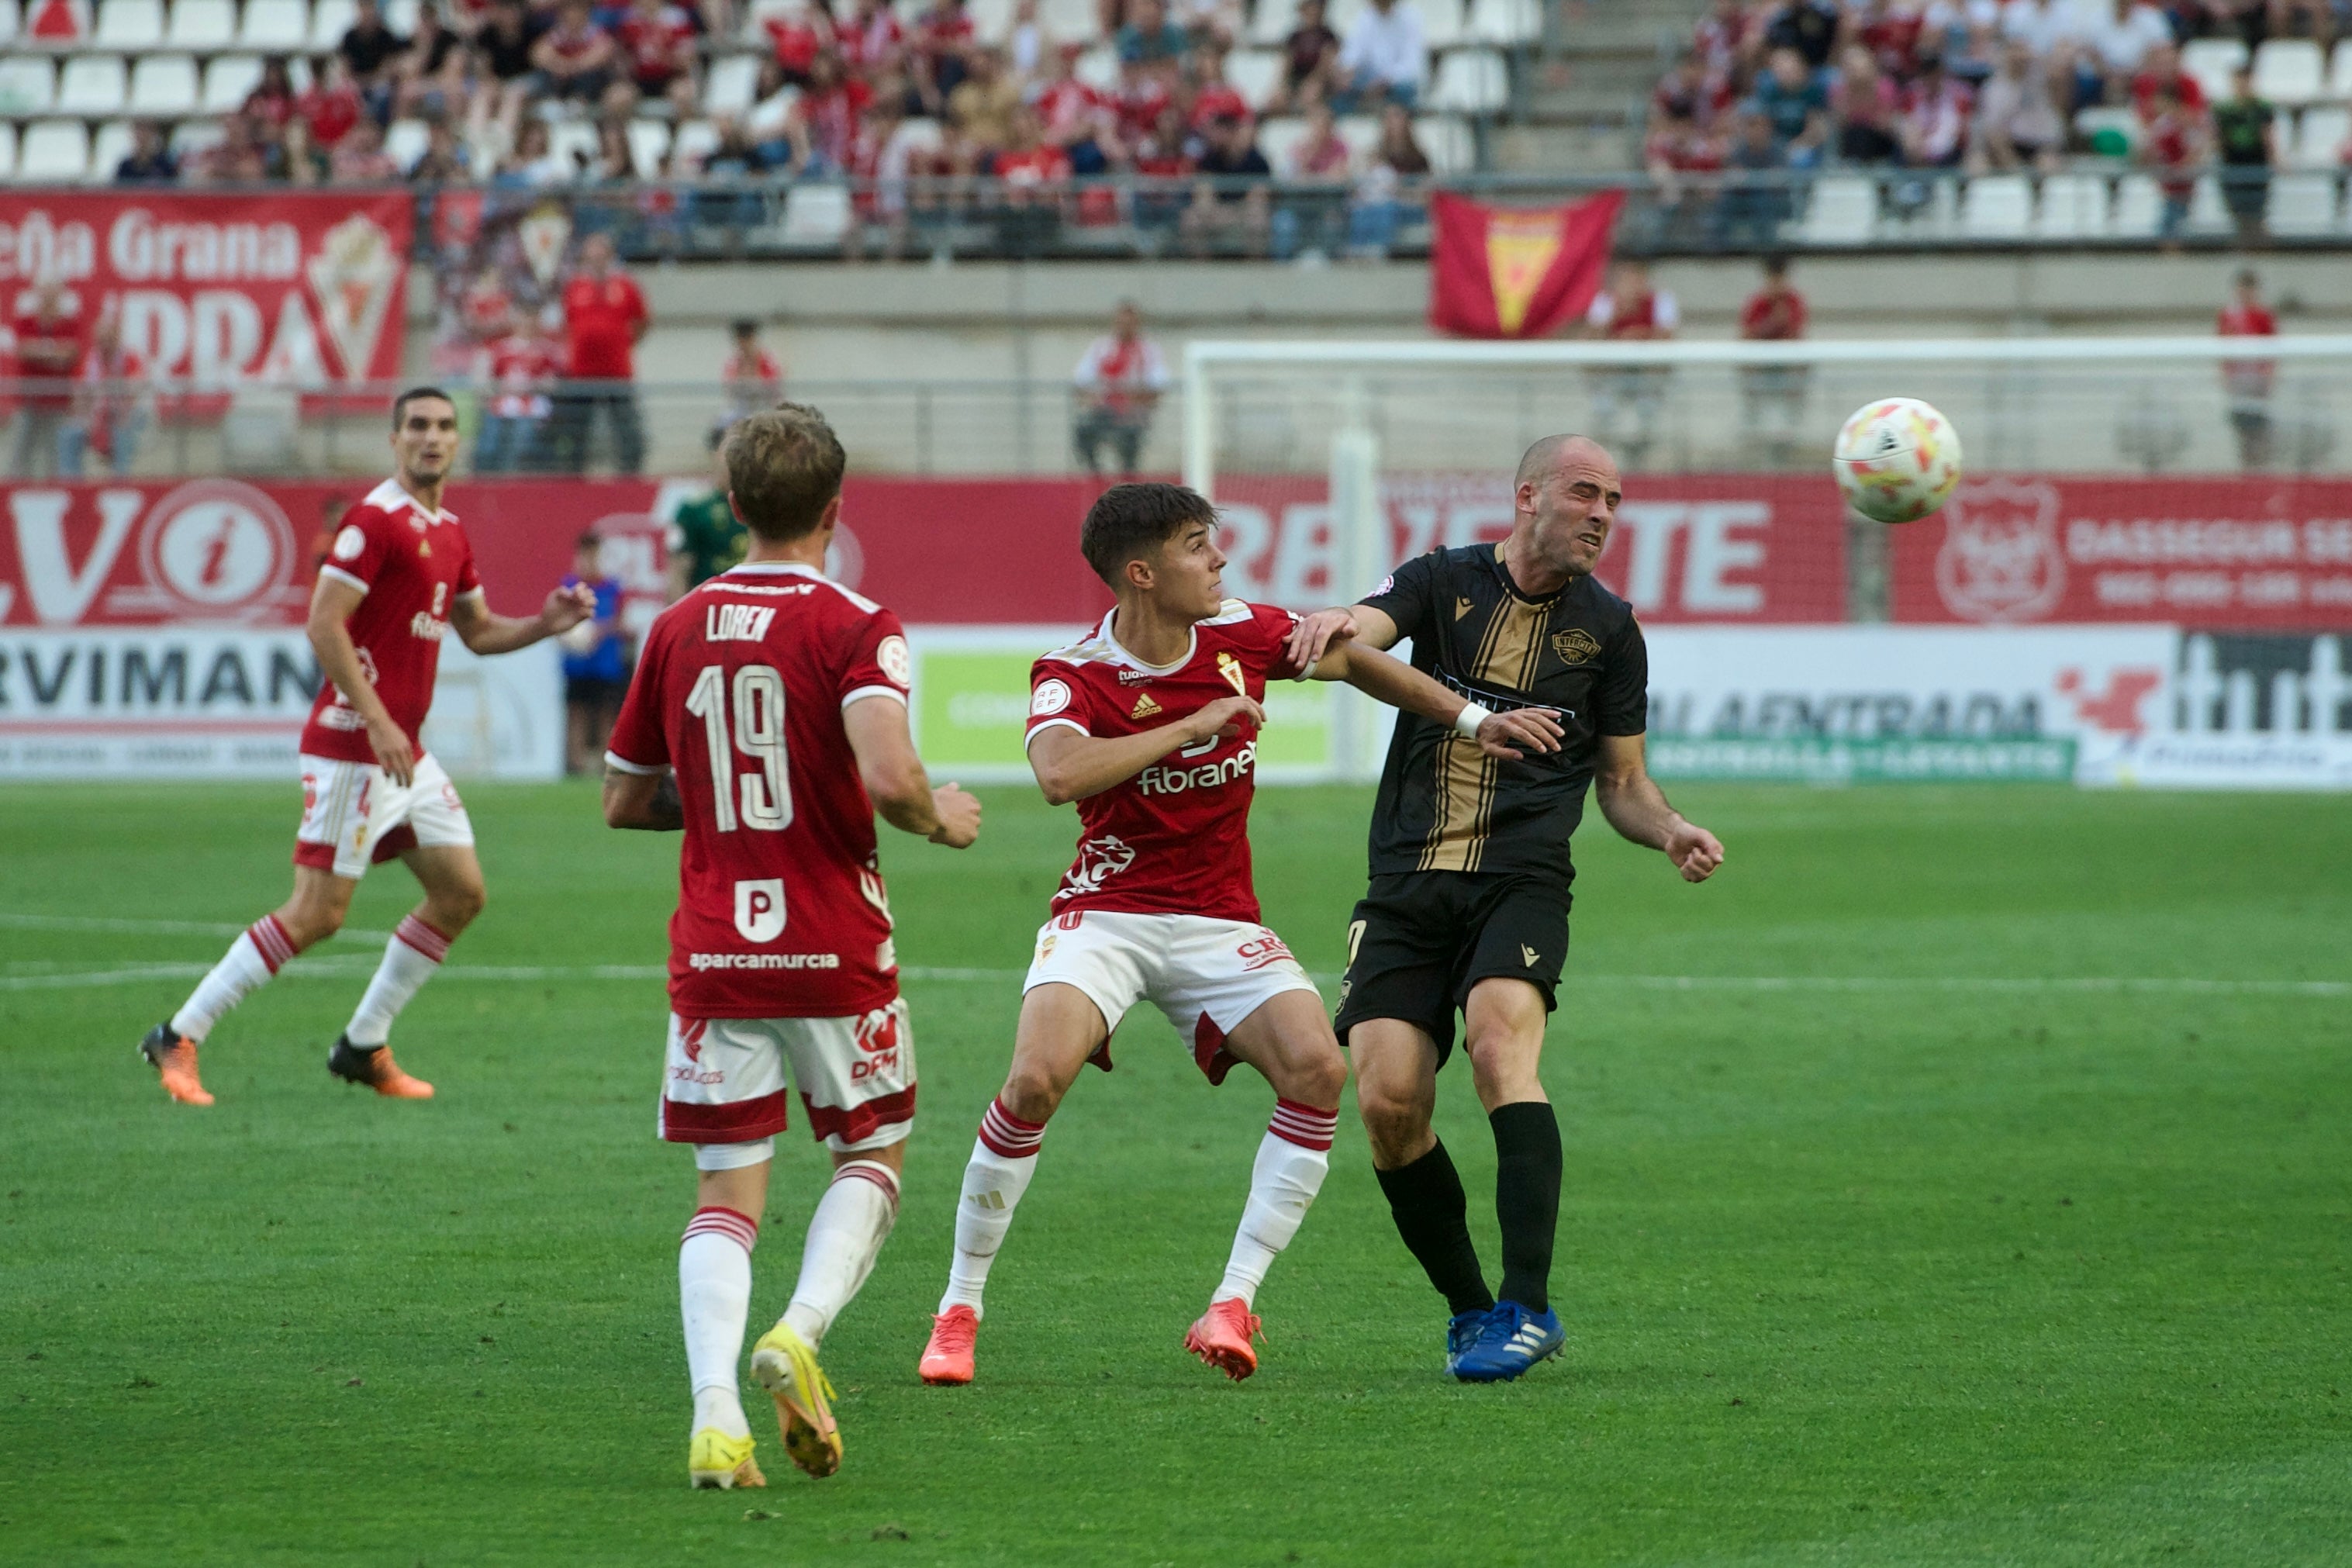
<point>2200,465</point>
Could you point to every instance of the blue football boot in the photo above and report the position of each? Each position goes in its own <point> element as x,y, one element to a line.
<point>1461,1334</point>
<point>1512,1340</point>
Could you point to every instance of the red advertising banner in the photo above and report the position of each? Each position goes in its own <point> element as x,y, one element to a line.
<point>301,288</point>
<point>2249,554</point>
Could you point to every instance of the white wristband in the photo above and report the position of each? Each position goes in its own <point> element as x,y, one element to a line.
<point>1467,723</point>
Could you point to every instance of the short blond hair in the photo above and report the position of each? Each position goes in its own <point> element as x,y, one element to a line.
<point>784,469</point>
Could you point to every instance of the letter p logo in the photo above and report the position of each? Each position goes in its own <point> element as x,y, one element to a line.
<point>760,908</point>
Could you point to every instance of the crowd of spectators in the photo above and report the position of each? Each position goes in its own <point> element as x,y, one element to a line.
<point>550,95</point>
<point>1977,86</point>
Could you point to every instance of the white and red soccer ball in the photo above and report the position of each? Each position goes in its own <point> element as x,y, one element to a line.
<point>1896,459</point>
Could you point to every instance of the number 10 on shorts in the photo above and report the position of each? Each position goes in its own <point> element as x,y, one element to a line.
<point>760,908</point>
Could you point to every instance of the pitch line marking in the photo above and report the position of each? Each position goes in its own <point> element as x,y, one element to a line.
<point>156,928</point>
<point>354,968</point>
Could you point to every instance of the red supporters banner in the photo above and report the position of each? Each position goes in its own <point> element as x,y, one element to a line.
<point>1514,272</point>
<point>302,289</point>
<point>2229,553</point>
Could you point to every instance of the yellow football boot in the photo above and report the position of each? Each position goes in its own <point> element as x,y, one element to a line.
<point>786,1367</point>
<point>715,1460</point>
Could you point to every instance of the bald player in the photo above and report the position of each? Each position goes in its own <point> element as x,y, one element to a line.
<point>1467,907</point>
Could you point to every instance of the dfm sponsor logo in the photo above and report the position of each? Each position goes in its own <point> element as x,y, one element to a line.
<point>876,1036</point>
<point>1162,780</point>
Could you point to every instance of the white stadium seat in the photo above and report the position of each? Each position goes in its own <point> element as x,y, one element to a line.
<point>992,20</point>
<point>190,137</point>
<point>1098,68</point>
<point>2207,212</point>
<point>1271,23</point>
<point>274,27</point>
<point>2074,207</point>
<point>400,16</point>
<point>2339,72</point>
<point>164,86</point>
<point>1442,25</point>
<point>649,145</point>
<point>919,136</point>
<point>2303,204</point>
<point>570,143</point>
<point>1069,21</point>
<point>1452,147</point>
<point>2289,72</point>
<point>773,115</point>
<point>2210,61</point>
<point>229,80</point>
<point>2139,206</point>
<point>817,214</point>
<point>1841,210</point>
<point>404,142</point>
<point>1339,15</point>
<point>1997,206</point>
<point>1509,23</point>
<point>129,25</point>
<point>10,20</point>
<point>8,149</point>
<point>28,85</point>
<point>732,85</point>
<point>108,149</point>
<point>202,24</point>
<point>2320,138</point>
<point>1470,82</point>
<point>2089,122</point>
<point>329,20</point>
<point>53,151</point>
<point>1361,133</point>
<point>695,140</point>
<point>92,85</point>
<point>1256,74</point>
<point>1277,137</point>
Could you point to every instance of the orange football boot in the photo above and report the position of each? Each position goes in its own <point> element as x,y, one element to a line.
<point>173,1057</point>
<point>376,1069</point>
<point>947,1360</point>
<point>1222,1338</point>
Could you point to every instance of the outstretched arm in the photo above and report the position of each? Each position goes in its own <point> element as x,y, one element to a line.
<point>1637,808</point>
<point>1070,765</point>
<point>1314,635</point>
<point>485,631</point>
<point>893,775</point>
<point>1398,684</point>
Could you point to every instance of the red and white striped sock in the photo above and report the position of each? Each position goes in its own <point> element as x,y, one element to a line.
<point>845,1237</point>
<point>258,952</point>
<point>714,1293</point>
<point>410,959</point>
<point>1004,1158</point>
<point>1292,1160</point>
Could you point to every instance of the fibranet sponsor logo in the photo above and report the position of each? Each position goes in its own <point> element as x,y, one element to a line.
<point>700,961</point>
<point>423,626</point>
<point>1156,779</point>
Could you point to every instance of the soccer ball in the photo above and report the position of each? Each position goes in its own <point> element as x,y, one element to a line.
<point>1896,459</point>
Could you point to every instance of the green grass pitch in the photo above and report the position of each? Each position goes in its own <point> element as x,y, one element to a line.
<point>1959,1263</point>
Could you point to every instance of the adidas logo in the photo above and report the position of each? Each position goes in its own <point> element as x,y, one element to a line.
<point>1462,607</point>
<point>1144,707</point>
<point>1529,956</point>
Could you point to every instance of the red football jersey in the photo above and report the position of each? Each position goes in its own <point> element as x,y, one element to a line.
<point>1173,839</point>
<point>781,908</point>
<point>410,561</point>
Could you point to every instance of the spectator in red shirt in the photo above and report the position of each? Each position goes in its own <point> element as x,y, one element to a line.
<point>272,101</point>
<point>2173,148</point>
<point>49,351</point>
<point>1772,396</point>
<point>1118,383</point>
<point>1034,171</point>
<point>1215,98</point>
<point>656,39</point>
<point>519,364</point>
<point>2160,70</point>
<point>941,56</point>
<point>332,106</point>
<point>239,158</point>
<point>871,40</point>
<point>2247,384</point>
<point>606,315</point>
<point>754,377</point>
<point>799,37</point>
<point>358,159</point>
<point>1076,116</point>
<point>574,60</point>
<point>823,124</point>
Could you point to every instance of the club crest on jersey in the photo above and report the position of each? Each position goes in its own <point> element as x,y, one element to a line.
<point>1575,646</point>
<point>737,622</point>
<point>1144,707</point>
<point>1231,668</point>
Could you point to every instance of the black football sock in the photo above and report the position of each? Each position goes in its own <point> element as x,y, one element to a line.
<point>1434,1216</point>
<point>1527,1198</point>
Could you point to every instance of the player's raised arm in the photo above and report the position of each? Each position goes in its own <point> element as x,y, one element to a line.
<point>1072,765</point>
<point>484,631</point>
<point>1509,735</point>
<point>894,780</point>
<point>1638,809</point>
<point>331,604</point>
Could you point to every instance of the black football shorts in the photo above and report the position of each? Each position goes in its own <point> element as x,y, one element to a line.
<point>1420,940</point>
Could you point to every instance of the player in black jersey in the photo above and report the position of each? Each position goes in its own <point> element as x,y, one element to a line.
<point>1468,903</point>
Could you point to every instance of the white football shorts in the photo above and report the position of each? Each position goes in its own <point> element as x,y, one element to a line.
<point>723,1081</point>
<point>1206,975</point>
<point>354,815</point>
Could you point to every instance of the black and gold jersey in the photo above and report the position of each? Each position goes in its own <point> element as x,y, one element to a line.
<point>1444,804</point>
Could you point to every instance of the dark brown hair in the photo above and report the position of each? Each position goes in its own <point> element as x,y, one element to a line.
<point>784,469</point>
<point>1128,522</point>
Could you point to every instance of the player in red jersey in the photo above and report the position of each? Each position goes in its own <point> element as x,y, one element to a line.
<point>1151,725</point>
<point>398,575</point>
<point>768,719</point>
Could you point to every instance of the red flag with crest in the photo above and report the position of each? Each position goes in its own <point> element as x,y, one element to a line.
<point>1515,272</point>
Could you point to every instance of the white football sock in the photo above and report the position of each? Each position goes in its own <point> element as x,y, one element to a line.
<point>714,1293</point>
<point>845,1237</point>
<point>410,959</point>
<point>1292,1160</point>
<point>1004,1158</point>
<point>251,961</point>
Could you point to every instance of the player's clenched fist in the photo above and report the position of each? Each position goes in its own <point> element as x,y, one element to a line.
<point>1694,850</point>
<point>1226,718</point>
<point>959,812</point>
<point>1534,729</point>
<point>567,607</point>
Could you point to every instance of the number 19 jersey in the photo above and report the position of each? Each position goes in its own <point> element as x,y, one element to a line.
<point>740,691</point>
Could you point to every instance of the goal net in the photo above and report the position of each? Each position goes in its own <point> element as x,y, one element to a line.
<point>2172,483</point>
